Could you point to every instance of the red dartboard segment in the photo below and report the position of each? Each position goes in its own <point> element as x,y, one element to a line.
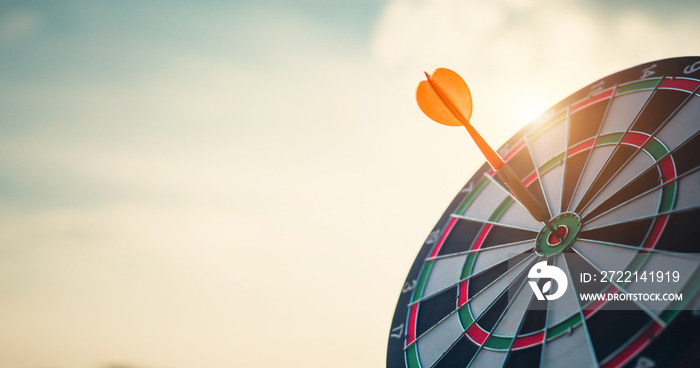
<point>411,330</point>
<point>596,305</point>
<point>668,169</point>
<point>604,95</point>
<point>530,179</point>
<point>681,84</point>
<point>656,232</point>
<point>522,342</point>
<point>635,139</point>
<point>445,233</point>
<point>476,334</point>
<point>581,147</point>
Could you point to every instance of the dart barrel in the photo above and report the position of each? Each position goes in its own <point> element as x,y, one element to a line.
<point>531,204</point>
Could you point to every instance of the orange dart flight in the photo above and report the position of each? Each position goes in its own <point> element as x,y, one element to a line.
<point>445,98</point>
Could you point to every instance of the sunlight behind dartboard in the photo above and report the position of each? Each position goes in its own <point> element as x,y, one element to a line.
<point>530,107</point>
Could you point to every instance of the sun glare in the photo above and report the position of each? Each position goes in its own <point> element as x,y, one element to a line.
<point>529,109</point>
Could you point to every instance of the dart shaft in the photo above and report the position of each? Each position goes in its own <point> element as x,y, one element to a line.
<point>531,204</point>
<point>494,160</point>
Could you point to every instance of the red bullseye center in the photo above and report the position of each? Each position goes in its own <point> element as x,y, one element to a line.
<point>555,238</point>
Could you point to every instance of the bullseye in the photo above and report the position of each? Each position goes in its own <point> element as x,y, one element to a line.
<point>550,243</point>
<point>555,239</point>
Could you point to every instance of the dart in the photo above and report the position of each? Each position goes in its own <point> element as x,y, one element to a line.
<point>445,98</point>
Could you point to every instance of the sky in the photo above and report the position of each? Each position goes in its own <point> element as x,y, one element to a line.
<point>220,184</point>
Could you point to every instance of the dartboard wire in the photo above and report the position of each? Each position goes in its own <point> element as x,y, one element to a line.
<point>522,321</point>
<point>590,152</point>
<point>520,325</point>
<point>474,251</point>
<point>657,187</point>
<point>546,325</point>
<point>466,303</point>
<point>424,298</point>
<point>500,318</point>
<point>539,177</point>
<point>647,217</point>
<point>566,154</point>
<point>656,163</point>
<point>493,223</point>
<point>505,190</point>
<point>617,145</point>
<point>691,256</point>
<point>617,285</point>
<point>493,302</point>
<point>583,317</point>
<point>639,148</point>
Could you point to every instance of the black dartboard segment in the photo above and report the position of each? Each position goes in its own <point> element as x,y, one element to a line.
<point>616,162</point>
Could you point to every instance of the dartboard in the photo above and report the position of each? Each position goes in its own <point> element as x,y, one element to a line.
<point>616,164</point>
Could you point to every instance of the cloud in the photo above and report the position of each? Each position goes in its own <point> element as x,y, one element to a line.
<point>415,31</point>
